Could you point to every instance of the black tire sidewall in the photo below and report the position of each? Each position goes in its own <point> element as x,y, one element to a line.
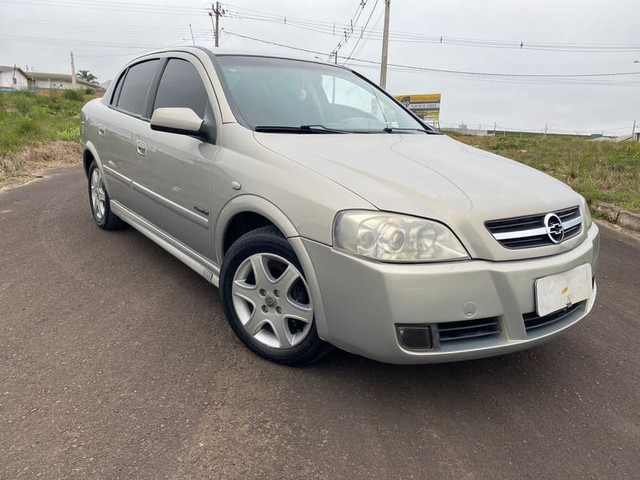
<point>264,241</point>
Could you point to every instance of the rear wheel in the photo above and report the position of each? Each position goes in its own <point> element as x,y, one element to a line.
<point>99,201</point>
<point>266,299</point>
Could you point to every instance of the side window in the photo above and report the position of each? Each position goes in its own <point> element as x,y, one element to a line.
<point>116,91</point>
<point>135,86</point>
<point>181,86</point>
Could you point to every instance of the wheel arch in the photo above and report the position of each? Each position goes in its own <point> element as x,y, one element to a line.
<point>90,154</point>
<point>260,212</point>
<point>256,212</point>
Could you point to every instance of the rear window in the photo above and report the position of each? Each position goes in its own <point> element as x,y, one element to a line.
<point>135,87</point>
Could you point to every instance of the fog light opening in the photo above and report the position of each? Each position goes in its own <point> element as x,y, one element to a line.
<point>414,337</point>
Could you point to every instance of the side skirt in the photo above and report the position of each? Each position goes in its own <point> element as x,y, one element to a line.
<point>192,259</point>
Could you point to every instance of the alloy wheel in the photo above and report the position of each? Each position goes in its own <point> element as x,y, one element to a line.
<point>98,194</point>
<point>271,300</point>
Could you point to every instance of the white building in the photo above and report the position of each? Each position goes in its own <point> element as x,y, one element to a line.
<point>54,81</point>
<point>13,78</point>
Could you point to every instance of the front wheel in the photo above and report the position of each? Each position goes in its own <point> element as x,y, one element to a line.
<point>266,299</point>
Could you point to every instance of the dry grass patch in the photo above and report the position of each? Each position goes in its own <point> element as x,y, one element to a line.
<point>25,165</point>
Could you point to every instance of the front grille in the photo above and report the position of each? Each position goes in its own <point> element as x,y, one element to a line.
<point>533,321</point>
<point>529,231</point>
<point>466,329</point>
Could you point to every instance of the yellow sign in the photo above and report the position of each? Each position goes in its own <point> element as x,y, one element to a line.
<point>425,106</point>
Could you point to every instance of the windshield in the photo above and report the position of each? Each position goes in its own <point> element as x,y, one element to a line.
<point>271,92</point>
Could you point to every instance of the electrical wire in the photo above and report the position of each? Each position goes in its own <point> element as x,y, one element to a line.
<point>460,72</point>
<point>412,37</point>
<point>330,27</point>
<point>504,77</point>
<point>348,30</point>
<point>360,37</point>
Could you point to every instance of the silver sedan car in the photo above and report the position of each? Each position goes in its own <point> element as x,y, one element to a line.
<point>328,214</point>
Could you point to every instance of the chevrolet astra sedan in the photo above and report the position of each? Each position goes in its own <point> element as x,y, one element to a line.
<point>328,214</point>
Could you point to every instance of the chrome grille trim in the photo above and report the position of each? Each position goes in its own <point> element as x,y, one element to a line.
<point>535,231</point>
<point>529,231</point>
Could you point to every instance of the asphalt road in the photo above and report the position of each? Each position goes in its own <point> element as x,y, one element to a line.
<point>116,362</point>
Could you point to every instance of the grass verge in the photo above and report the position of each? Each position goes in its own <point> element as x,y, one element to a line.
<point>38,132</point>
<point>605,171</point>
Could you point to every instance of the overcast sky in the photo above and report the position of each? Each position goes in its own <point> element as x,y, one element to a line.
<point>568,37</point>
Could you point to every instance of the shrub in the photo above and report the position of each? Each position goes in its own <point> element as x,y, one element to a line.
<point>27,126</point>
<point>76,95</point>
<point>23,102</point>
<point>70,134</point>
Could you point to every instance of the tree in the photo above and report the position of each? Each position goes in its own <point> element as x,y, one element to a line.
<point>86,76</point>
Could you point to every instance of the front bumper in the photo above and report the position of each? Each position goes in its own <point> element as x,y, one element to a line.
<point>363,301</point>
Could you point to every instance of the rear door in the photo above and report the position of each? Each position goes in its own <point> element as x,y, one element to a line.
<point>176,169</point>
<point>118,131</point>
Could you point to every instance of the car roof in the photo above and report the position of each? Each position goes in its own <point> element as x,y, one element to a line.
<point>228,51</point>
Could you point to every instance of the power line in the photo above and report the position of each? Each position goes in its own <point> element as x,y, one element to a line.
<point>326,27</point>
<point>461,72</point>
<point>82,27</point>
<point>412,37</point>
<point>363,30</point>
<point>348,30</point>
<point>329,28</point>
<point>564,79</point>
<point>113,5</point>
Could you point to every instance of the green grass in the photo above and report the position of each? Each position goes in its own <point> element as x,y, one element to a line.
<point>604,171</point>
<point>27,119</point>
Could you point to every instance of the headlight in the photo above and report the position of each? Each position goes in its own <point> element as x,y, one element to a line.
<point>588,221</point>
<point>391,237</point>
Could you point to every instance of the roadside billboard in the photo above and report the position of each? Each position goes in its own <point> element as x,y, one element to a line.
<point>425,106</point>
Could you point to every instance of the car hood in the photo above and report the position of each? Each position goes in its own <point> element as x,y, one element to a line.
<point>432,176</point>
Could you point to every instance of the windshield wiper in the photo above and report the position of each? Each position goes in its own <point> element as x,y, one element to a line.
<point>300,129</point>
<point>400,129</point>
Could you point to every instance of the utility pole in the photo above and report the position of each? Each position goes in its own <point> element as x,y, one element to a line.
<point>218,13</point>
<point>192,39</point>
<point>385,45</point>
<point>545,130</point>
<point>633,131</point>
<point>74,82</point>
<point>213,27</point>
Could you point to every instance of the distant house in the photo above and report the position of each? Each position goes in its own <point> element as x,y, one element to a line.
<point>13,78</point>
<point>55,81</point>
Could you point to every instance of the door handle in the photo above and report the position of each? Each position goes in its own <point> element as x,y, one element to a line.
<point>141,147</point>
<point>102,129</point>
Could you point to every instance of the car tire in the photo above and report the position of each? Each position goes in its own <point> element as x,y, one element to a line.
<point>99,201</point>
<point>266,299</point>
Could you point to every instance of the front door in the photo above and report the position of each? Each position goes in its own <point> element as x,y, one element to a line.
<point>176,169</point>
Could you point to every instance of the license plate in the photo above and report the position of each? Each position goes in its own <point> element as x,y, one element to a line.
<point>562,290</point>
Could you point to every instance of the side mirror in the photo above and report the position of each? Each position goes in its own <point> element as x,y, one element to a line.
<point>176,120</point>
